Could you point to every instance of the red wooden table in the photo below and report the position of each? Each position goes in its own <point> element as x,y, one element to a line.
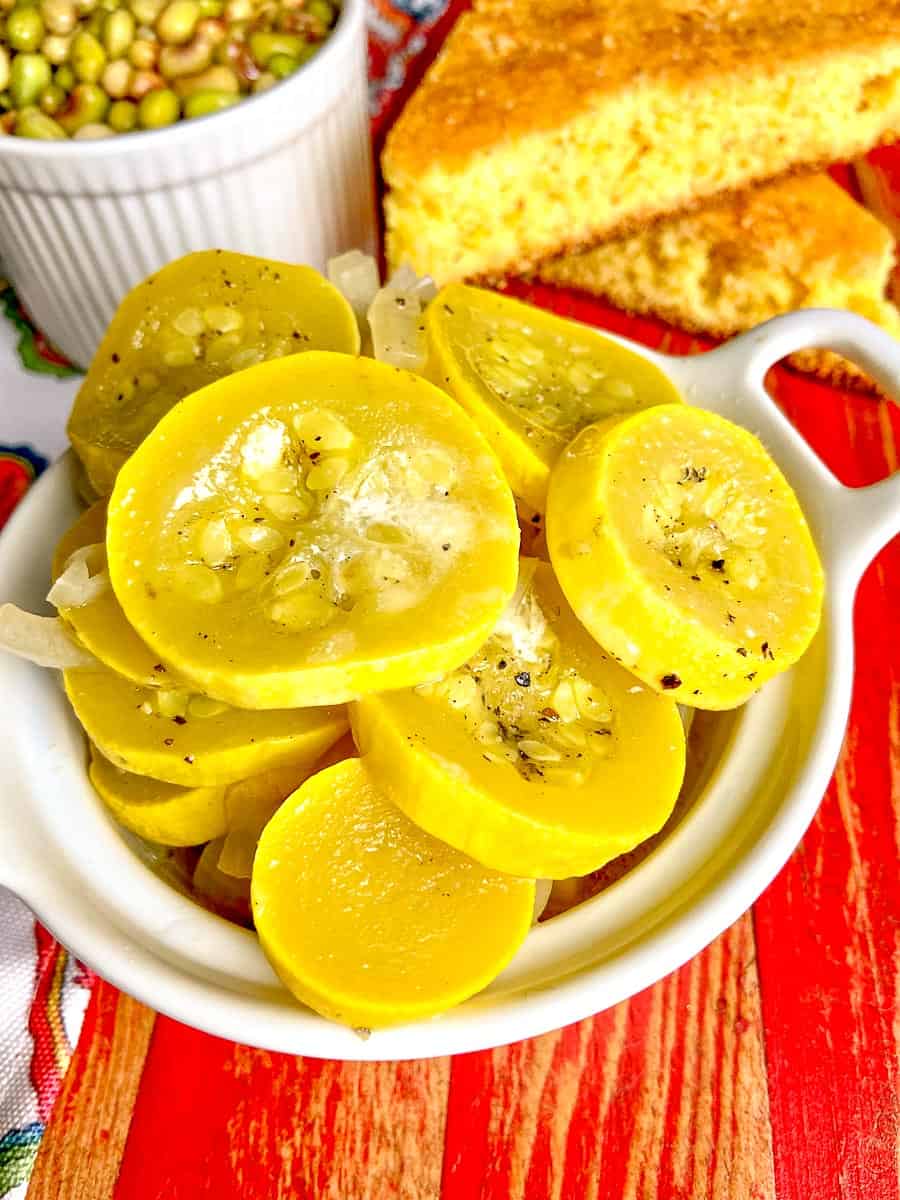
<point>766,1067</point>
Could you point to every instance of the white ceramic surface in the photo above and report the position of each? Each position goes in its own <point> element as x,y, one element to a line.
<point>286,175</point>
<point>770,764</point>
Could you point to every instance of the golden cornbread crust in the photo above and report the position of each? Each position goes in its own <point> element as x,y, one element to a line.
<point>543,126</point>
<point>524,66</point>
<point>834,370</point>
<point>796,243</point>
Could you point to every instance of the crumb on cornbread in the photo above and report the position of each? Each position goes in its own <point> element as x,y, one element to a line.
<point>545,126</point>
<point>796,243</point>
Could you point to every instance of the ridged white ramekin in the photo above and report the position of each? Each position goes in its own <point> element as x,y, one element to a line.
<point>286,174</point>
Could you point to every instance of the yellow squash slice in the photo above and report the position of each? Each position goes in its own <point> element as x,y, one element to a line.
<point>540,756</point>
<point>201,317</point>
<point>682,548</point>
<point>312,530</point>
<point>182,816</point>
<point>100,625</point>
<point>251,803</point>
<point>226,865</point>
<point>531,379</point>
<point>369,920</point>
<point>159,812</point>
<point>190,740</point>
<point>88,530</point>
<point>227,891</point>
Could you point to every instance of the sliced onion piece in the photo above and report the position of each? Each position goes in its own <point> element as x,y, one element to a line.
<point>542,890</point>
<point>395,321</point>
<point>236,855</point>
<point>687,717</point>
<point>404,279</point>
<point>76,586</point>
<point>395,318</point>
<point>225,895</point>
<point>355,275</point>
<point>41,640</point>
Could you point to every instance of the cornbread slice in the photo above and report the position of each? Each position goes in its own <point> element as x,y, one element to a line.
<point>546,125</point>
<point>797,243</point>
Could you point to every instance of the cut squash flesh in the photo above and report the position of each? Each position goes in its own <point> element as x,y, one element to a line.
<point>368,919</point>
<point>100,625</point>
<point>198,319</point>
<point>533,757</point>
<point>180,816</point>
<point>312,530</point>
<point>224,872</point>
<point>192,741</point>
<point>159,812</point>
<point>531,380</point>
<point>682,548</point>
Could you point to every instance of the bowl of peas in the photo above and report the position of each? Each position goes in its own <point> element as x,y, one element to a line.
<point>134,131</point>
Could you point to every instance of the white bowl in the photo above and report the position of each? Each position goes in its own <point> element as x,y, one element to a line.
<point>286,174</point>
<point>768,765</point>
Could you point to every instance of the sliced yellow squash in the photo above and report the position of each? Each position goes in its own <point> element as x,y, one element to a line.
<point>181,816</point>
<point>100,625</point>
<point>683,549</point>
<point>540,756</point>
<point>159,812</point>
<point>88,530</point>
<point>369,920</point>
<point>252,802</point>
<point>311,530</point>
<point>190,740</point>
<point>532,380</point>
<point>201,317</point>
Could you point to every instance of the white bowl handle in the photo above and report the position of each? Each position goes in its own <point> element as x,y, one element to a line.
<point>857,522</point>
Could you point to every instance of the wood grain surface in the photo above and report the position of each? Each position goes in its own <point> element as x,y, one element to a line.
<point>766,1067</point>
<point>665,1095</point>
<point>243,1122</point>
<point>81,1151</point>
